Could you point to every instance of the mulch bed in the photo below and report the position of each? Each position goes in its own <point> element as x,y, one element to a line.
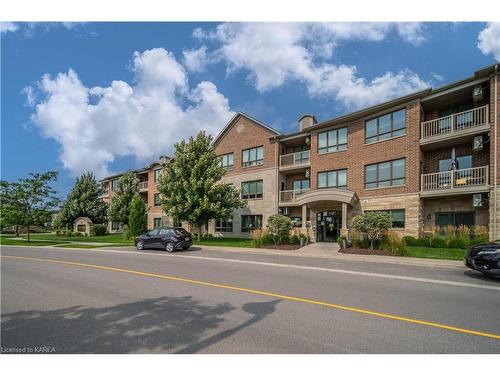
<point>356,250</point>
<point>282,247</point>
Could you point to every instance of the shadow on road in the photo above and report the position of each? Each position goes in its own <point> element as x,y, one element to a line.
<point>165,324</point>
<point>479,276</point>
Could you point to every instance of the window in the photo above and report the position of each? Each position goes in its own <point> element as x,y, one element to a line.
<point>114,184</point>
<point>397,217</point>
<point>157,173</point>
<point>165,232</point>
<point>301,185</point>
<point>389,173</point>
<point>333,179</point>
<point>224,225</point>
<point>157,201</point>
<point>464,162</point>
<point>297,221</point>
<point>177,223</point>
<point>252,156</point>
<point>157,222</point>
<point>454,218</point>
<point>115,225</point>
<point>333,140</point>
<point>250,222</point>
<point>251,189</point>
<point>227,160</point>
<point>153,232</point>
<point>386,126</point>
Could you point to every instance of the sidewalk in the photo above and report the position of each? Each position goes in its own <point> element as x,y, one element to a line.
<point>330,251</point>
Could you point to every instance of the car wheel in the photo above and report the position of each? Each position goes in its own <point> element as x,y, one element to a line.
<point>169,246</point>
<point>139,245</point>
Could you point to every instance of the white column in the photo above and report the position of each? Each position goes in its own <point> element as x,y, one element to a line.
<point>304,216</point>
<point>344,219</point>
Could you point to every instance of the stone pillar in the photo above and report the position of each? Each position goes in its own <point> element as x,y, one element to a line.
<point>304,216</point>
<point>312,215</point>
<point>343,230</point>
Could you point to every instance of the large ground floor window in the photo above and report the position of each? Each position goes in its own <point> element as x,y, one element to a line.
<point>455,218</point>
<point>251,222</point>
<point>397,217</point>
<point>224,225</point>
<point>157,222</point>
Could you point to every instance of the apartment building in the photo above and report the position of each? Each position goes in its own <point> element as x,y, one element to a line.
<point>429,158</point>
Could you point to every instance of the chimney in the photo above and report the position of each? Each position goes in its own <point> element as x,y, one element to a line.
<point>306,121</point>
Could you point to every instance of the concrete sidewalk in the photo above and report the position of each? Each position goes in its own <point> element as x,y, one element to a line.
<point>331,251</point>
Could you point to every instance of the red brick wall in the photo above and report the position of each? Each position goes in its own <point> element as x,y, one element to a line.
<point>243,134</point>
<point>359,154</point>
<point>293,177</point>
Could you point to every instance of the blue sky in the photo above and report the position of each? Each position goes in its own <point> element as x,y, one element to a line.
<point>112,96</point>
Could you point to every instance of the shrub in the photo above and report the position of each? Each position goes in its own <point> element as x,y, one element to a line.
<point>257,237</point>
<point>137,219</point>
<point>394,243</point>
<point>460,243</point>
<point>126,234</point>
<point>279,226</point>
<point>480,233</point>
<point>422,241</point>
<point>358,240</point>
<point>372,224</point>
<point>463,231</point>
<point>98,230</point>
<point>294,239</point>
<point>410,241</point>
<point>438,242</point>
<point>450,232</point>
<point>77,234</point>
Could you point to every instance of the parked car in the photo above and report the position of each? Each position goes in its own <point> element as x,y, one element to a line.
<point>168,238</point>
<point>485,258</point>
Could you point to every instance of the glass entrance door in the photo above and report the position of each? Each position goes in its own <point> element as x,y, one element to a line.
<point>328,224</point>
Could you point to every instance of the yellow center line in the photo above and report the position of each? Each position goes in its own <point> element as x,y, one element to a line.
<point>268,294</point>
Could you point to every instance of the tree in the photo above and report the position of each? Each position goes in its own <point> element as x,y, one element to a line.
<point>9,216</point>
<point>138,220</point>
<point>84,199</point>
<point>31,200</point>
<point>373,224</point>
<point>190,184</point>
<point>279,226</point>
<point>127,188</point>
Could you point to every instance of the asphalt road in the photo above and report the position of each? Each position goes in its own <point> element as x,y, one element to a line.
<point>123,301</point>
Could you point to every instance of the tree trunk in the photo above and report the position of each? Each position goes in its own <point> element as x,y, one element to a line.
<point>199,232</point>
<point>17,230</point>
<point>28,231</point>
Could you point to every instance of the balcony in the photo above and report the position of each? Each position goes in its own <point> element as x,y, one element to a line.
<point>470,180</point>
<point>143,186</point>
<point>457,125</point>
<point>295,160</point>
<point>289,196</point>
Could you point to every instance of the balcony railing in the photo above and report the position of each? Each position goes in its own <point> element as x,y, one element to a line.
<point>456,123</point>
<point>143,185</point>
<point>288,196</point>
<point>459,179</point>
<point>301,158</point>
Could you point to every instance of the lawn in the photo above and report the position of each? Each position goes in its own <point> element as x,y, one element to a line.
<point>116,238</point>
<point>435,253</point>
<point>84,246</point>
<point>223,241</point>
<point>8,241</point>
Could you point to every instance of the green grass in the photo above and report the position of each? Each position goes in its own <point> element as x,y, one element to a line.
<point>116,238</point>
<point>435,253</point>
<point>8,241</point>
<point>223,241</point>
<point>84,246</point>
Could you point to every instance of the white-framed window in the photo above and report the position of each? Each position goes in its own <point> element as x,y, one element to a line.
<point>114,184</point>
<point>227,160</point>
<point>252,189</point>
<point>157,173</point>
<point>252,156</point>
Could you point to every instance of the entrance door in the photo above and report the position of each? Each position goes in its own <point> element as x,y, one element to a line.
<point>328,224</point>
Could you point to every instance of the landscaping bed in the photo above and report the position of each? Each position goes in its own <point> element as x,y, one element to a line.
<point>413,252</point>
<point>357,250</point>
<point>282,247</point>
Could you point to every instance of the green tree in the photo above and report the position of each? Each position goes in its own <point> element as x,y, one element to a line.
<point>190,184</point>
<point>138,220</point>
<point>127,188</point>
<point>84,199</point>
<point>373,224</point>
<point>279,226</point>
<point>9,216</point>
<point>30,201</point>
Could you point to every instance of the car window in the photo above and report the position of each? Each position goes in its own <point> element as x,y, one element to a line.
<point>153,232</point>
<point>164,232</point>
<point>182,230</point>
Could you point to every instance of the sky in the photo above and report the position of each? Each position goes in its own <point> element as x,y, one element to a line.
<point>107,97</point>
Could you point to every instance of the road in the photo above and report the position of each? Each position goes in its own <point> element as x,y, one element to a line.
<point>206,301</point>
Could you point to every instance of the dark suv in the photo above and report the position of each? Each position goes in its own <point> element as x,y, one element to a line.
<point>168,238</point>
<point>484,258</point>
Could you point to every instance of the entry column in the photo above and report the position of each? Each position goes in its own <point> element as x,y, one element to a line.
<point>304,216</point>
<point>343,230</point>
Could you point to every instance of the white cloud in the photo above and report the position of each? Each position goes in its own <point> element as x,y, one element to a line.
<point>6,27</point>
<point>196,60</point>
<point>274,53</point>
<point>94,125</point>
<point>436,77</point>
<point>412,32</point>
<point>489,40</point>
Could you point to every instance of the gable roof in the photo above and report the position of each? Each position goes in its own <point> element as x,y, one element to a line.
<point>233,120</point>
